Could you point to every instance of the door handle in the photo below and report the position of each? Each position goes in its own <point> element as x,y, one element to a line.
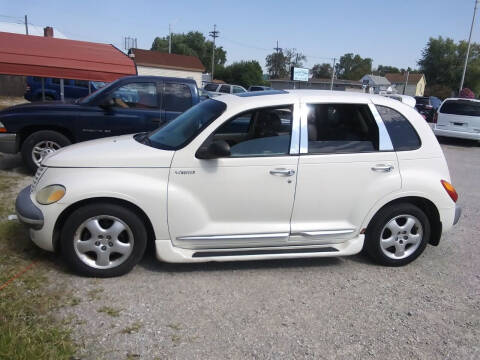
<point>282,172</point>
<point>382,168</point>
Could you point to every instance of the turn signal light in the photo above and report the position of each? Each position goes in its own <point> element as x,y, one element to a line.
<point>3,130</point>
<point>450,190</point>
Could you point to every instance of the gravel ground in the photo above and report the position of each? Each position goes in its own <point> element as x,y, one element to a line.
<point>344,308</point>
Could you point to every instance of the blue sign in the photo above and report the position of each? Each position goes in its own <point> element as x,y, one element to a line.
<point>299,74</point>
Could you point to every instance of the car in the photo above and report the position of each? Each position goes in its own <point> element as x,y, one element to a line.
<point>264,175</point>
<point>458,118</point>
<point>73,89</point>
<point>259,88</point>
<point>427,106</point>
<point>217,89</point>
<point>129,105</point>
<point>406,99</point>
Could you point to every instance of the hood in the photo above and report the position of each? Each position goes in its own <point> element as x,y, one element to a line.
<point>120,151</point>
<point>41,106</point>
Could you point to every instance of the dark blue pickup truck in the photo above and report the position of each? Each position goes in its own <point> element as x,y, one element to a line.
<point>131,104</point>
<point>73,89</point>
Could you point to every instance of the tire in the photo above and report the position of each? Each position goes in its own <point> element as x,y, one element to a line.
<point>397,226</point>
<point>91,252</point>
<point>47,140</point>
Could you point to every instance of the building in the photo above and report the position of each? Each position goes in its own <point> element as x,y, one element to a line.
<point>164,64</point>
<point>376,84</point>
<point>416,83</point>
<point>316,84</point>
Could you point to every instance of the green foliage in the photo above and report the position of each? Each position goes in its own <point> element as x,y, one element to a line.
<point>442,63</point>
<point>353,67</point>
<point>322,71</point>
<point>279,63</point>
<point>193,43</point>
<point>244,73</point>
<point>385,69</point>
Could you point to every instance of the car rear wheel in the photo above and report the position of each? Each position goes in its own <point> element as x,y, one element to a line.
<point>39,144</point>
<point>103,240</point>
<point>397,235</point>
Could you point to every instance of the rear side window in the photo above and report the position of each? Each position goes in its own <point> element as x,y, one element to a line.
<point>177,97</point>
<point>225,89</point>
<point>341,128</point>
<point>461,107</point>
<point>403,135</point>
<point>211,87</point>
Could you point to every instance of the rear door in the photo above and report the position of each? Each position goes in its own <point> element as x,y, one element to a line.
<point>347,164</point>
<point>177,98</point>
<point>459,115</point>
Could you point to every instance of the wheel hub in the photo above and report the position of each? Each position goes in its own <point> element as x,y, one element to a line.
<point>401,236</point>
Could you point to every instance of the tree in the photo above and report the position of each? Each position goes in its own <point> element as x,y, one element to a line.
<point>385,69</point>
<point>353,67</point>
<point>322,71</point>
<point>192,43</point>
<point>279,63</point>
<point>244,73</point>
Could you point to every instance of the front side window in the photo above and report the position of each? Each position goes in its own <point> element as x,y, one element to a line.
<point>211,87</point>
<point>238,89</point>
<point>225,89</point>
<point>187,125</point>
<point>341,128</point>
<point>177,97</point>
<point>81,83</point>
<point>259,132</point>
<point>136,96</point>
<point>403,135</point>
<point>461,107</point>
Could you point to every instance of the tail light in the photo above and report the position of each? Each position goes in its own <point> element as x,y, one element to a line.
<point>450,190</point>
<point>435,117</point>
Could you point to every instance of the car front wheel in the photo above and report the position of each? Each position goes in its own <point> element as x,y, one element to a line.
<point>39,144</point>
<point>103,240</point>
<point>397,235</point>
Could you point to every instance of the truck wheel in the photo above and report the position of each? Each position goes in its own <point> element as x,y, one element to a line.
<point>39,144</point>
<point>103,240</point>
<point>397,235</point>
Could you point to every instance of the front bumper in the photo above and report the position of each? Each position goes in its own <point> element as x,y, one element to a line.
<point>27,212</point>
<point>458,213</point>
<point>8,143</point>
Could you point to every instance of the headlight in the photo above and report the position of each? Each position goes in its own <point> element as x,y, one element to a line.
<point>50,194</point>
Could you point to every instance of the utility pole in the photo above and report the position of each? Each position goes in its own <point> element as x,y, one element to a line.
<point>277,49</point>
<point>26,25</point>
<point>333,74</point>
<point>468,48</point>
<point>214,35</point>
<point>406,82</point>
<point>169,39</point>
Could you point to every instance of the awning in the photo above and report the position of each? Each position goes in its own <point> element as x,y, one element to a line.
<point>62,58</point>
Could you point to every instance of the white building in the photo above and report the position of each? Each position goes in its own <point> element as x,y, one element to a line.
<point>164,64</point>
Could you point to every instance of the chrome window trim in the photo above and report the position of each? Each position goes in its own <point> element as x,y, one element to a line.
<point>295,135</point>
<point>234,237</point>
<point>384,141</point>
<point>325,232</point>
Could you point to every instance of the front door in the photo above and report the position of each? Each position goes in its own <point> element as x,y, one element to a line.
<point>176,99</point>
<point>242,200</point>
<point>346,166</point>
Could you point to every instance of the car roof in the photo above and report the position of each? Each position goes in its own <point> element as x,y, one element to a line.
<point>157,78</point>
<point>462,99</point>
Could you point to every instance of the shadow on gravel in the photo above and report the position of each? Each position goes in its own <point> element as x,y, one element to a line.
<point>458,142</point>
<point>13,163</point>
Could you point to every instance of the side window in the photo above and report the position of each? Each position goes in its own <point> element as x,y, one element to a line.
<point>341,128</point>
<point>403,135</point>
<point>177,97</point>
<point>81,83</point>
<point>225,89</point>
<point>211,87</point>
<point>259,132</point>
<point>136,96</point>
<point>237,90</point>
<point>65,81</point>
<point>461,107</point>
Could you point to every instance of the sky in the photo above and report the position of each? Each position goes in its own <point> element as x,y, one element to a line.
<point>390,32</point>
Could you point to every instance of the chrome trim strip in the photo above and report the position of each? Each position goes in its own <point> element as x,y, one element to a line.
<point>385,143</point>
<point>304,128</point>
<point>325,232</point>
<point>295,143</point>
<point>235,237</point>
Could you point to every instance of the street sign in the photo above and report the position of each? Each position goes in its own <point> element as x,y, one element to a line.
<point>299,74</point>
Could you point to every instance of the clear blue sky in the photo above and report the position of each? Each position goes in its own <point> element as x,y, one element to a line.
<point>391,32</point>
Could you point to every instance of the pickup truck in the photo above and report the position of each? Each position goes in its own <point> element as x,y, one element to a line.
<point>128,105</point>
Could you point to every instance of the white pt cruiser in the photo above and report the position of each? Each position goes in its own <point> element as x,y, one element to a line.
<point>266,175</point>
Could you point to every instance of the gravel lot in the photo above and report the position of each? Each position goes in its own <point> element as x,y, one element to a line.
<point>344,308</point>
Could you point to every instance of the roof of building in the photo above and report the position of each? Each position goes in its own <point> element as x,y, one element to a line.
<point>377,80</point>
<point>323,81</point>
<point>397,78</point>
<point>166,60</point>
<point>18,28</point>
<point>61,58</point>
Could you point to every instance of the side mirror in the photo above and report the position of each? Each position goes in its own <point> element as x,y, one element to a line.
<point>215,150</point>
<point>107,104</point>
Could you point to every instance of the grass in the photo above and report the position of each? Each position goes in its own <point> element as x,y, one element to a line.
<point>132,328</point>
<point>110,311</point>
<point>27,327</point>
<point>94,294</point>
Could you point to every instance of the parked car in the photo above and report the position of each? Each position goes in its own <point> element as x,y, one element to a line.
<point>459,118</point>
<point>72,89</point>
<point>247,177</point>
<point>259,88</point>
<point>406,99</point>
<point>216,89</point>
<point>129,105</point>
<point>427,106</point>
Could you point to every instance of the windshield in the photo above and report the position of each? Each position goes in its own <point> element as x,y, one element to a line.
<point>185,127</point>
<point>93,95</point>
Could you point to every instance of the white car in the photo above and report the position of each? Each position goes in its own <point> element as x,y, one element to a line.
<point>217,89</point>
<point>288,174</point>
<point>406,99</point>
<point>458,118</point>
